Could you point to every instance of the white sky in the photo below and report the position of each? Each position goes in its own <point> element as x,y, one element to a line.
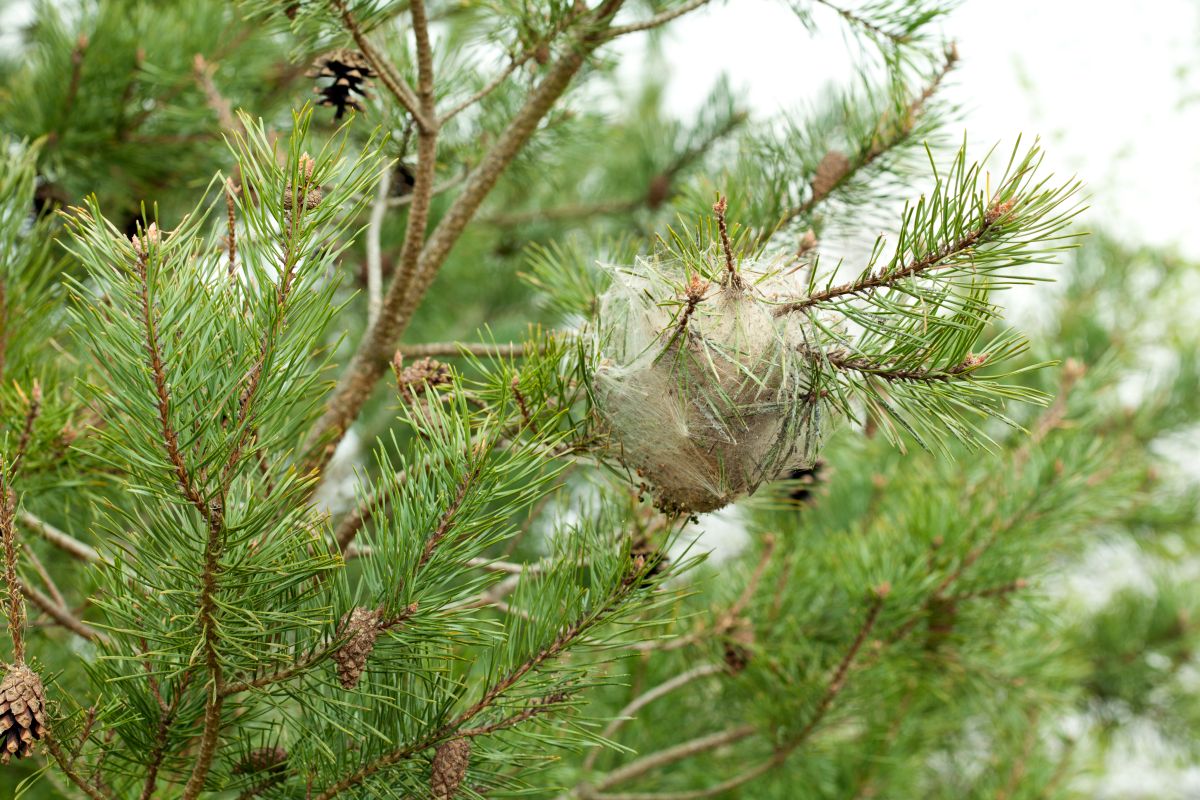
<point>1102,83</point>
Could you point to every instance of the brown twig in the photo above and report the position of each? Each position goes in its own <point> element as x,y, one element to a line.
<point>66,764</point>
<point>450,729</point>
<point>33,411</point>
<point>888,134</point>
<point>68,544</point>
<point>60,614</point>
<point>231,190</point>
<point>941,258</point>
<point>658,20</point>
<point>8,534</point>
<point>732,278</point>
<point>77,54</point>
<point>220,105</point>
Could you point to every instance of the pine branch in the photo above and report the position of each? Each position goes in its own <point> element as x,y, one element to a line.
<point>568,636</point>
<point>670,755</point>
<point>658,20</point>
<point>647,697</point>
<point>368,363</point>
<point>60,614</point>
<point>943,257</point>
<point>221,106</point>
<point>32,412</point>
<point>733,735</point>
<point>889,134</point>
<point>536,50</point>
<point>67,766</point>
<point>63,541</point>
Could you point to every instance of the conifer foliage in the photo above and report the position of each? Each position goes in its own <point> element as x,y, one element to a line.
<point>241,559</point>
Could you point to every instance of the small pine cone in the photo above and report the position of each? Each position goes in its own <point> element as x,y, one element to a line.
<point>449,768</point>
<point>420,376</point>
<point>362,627</point>
<point>739,645</point>
<point>833,167</point>
<point>312,198</point>
<point>22,712</point>
<point>659,191</point>
<point>262,759</point>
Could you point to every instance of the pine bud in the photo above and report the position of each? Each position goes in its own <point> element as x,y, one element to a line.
<point>22,712</point>
<point>361,626</point>
<point>307,165</point>
<point>449,768</point>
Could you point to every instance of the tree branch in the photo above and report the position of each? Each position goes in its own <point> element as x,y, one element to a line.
<point>658,20</point>
<point>940,258</point>
<point>889,133</point>
<point>369,361</point>
<point>63,541</point>
<point>61,614</point>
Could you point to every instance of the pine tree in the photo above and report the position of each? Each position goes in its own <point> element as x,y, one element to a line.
<point>257,253</point>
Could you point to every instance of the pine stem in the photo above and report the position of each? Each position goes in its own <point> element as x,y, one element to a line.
<point>8,533</point>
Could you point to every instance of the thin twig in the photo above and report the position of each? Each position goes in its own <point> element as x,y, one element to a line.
<point>888,134</point>
<point>65,542</point>
<point>60,614</point>
<point>646,698</point>
<point>941,258</point>
<point>40,568</point>
<point>658,20</point>
<point>33,411</point>
<point>77,54</point>
<point>517,62</point>
<point>374,250</point>
<point>66,764</point>
<point>220,105</point>
<point>8,534</point>
<point>231,190</point>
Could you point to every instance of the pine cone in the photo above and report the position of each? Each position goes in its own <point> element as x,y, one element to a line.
<point>351,74</point>
<point>833,168</point>
<point>262,759</point>
<point>449,768</point>
<point>312,198</point>
<point>362,627</point>
<point>22,712</point>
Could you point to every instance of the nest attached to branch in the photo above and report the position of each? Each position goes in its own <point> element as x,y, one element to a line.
<point>705,390</point>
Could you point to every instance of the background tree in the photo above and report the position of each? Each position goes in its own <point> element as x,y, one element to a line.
<point>217,606</point>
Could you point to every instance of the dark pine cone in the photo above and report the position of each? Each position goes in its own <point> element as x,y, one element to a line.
<point>351,75</point>
<point>22,712</point>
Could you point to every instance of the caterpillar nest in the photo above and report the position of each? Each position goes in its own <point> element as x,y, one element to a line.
<point>705,391</point>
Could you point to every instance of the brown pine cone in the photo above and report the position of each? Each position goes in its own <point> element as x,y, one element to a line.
<point>449,768</point>
<point>262,759</point>
<point>362,627</point>
<point>22,712</point>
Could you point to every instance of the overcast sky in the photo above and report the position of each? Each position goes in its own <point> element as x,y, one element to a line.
<point>1104,84</point>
